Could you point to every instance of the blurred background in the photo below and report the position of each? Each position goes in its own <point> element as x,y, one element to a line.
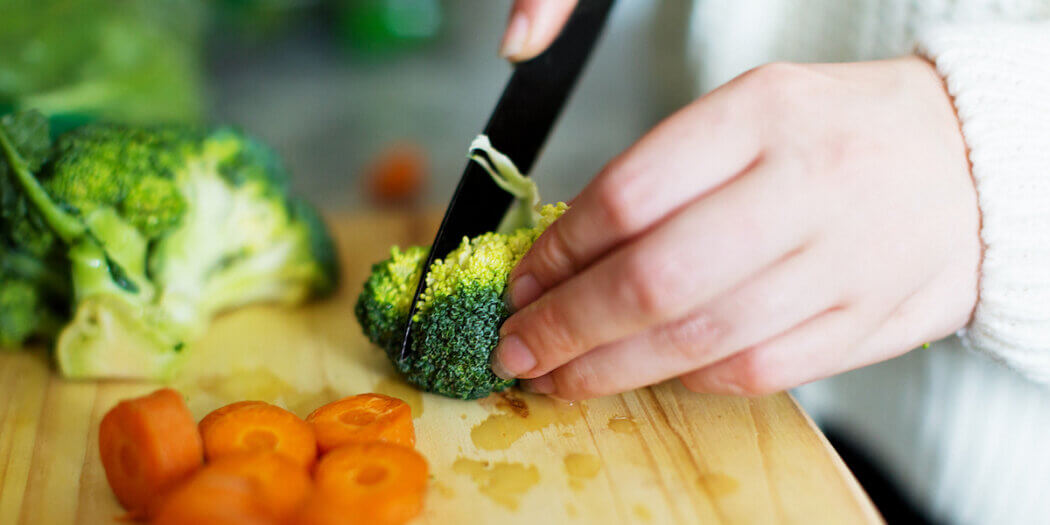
<point>370,102</point>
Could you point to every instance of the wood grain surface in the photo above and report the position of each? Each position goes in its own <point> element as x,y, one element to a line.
<point>655,455</point>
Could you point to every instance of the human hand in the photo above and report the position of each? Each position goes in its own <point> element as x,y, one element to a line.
<point>798,222</point>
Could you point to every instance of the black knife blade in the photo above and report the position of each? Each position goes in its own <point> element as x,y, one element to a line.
<point>518,127</point>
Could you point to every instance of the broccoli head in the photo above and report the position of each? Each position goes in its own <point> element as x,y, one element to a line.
<point>160,228</point>
<point>459,313</point>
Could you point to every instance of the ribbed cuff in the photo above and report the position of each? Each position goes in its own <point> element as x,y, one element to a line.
<point>999,77</point>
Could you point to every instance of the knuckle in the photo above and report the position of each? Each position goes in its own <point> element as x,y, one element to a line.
<point>775,88</point>
<point>617,204</point>
<point>556,340</point>
<point>650,285</point>
<point>690,340</point>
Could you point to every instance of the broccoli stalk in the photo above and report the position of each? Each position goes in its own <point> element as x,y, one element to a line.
<point>459,313</point>
<point>524,211</point>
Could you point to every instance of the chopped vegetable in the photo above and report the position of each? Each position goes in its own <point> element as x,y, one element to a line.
<point>277,485</point>
<point>218,413</point>
<point>320,509</point>
<point>253,427</point>
<point>213,498</point>
<point>458,317</point>
<point>147,445</point>
<point>363,418</point>
<point>381,482</point>
<point>141,235</point>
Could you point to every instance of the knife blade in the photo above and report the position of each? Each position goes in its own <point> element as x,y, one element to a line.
<point>519,126</point>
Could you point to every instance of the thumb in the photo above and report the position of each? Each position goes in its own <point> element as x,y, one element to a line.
<point>532,26</point>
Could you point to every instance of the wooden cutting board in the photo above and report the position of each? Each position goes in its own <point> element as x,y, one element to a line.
<point>656,455</point>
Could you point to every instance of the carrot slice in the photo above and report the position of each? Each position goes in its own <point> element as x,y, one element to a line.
<point>217,414</point>
<point>381,482</point>
<point>280,483</point>
<point>254,427</point>
<point>249,486</point>
<point>320,509</point>
<point>148,444</point>
<point>363,418</point>
<point>212,498</point>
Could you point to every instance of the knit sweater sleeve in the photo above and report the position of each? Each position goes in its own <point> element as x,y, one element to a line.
<point>998,75</point>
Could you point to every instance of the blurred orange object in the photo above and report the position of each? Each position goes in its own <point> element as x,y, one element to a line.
<point>397,174</point>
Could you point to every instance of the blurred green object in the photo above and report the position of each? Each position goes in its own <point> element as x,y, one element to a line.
<point>76,60</point>
<point>256,21</point>
<point>387,25</point>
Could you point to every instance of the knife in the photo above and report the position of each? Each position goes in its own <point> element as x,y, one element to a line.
<point>518,127</point>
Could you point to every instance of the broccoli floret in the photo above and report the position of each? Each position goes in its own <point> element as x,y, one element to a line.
<point>459,313</point>
<point>162,228</point>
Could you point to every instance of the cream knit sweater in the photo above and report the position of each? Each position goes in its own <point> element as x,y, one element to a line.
<point>965,424</point>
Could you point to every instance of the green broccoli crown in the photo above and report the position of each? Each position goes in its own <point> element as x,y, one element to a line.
<point>156,229</point>
<point>459,313</point>
<point>127,168</point>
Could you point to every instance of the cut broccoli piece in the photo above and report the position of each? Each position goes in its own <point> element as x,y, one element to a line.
<point>162,228</point>
<point>460,311</point>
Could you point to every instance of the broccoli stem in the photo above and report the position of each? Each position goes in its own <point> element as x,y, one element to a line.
<point>66,226</point>
<point>524,212</point>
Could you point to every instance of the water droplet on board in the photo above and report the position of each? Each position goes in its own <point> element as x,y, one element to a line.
<point>517,415</point>
<point>504,483</point>
<point>622,424</point>
<point>580,468</point>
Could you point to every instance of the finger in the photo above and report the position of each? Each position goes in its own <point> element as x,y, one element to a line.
<point>771,303</point>
<point>708,248</point>
<point>813,350</point>
<point>688,155</point>
<point>532,26</point>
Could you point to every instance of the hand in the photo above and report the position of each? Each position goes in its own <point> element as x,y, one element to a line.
<point>798,222</point>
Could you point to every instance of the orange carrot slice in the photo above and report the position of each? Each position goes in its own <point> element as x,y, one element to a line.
<point>213,499</point>
<point>249,486</point>
<point>148,444</point>
<point>326,510</point>
<point>280,483</point>
<point>363,418</point>
<point>258,427</point>
<point>380,482</point>
<point>217,414</point>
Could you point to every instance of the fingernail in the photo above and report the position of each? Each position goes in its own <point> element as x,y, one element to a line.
<point>514,38</point>
<point>521,291</point>
<point>512,358</point>
<point>540,385</point>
